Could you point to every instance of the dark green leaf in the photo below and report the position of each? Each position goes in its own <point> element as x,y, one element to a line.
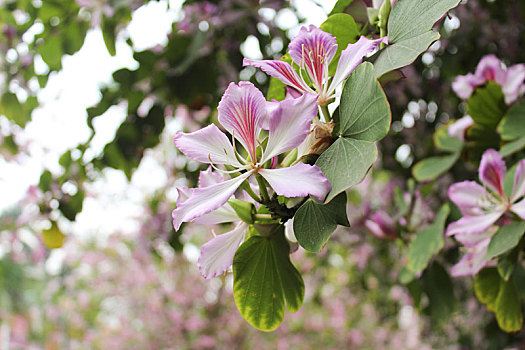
<point>512,147</point>
<point>439,289</point>
<point>487,105</point>
<point>505,239</point>
<point>314,222</point>
<point>431,168</point>
<point>340,6</point>
<point>51,52</point>
<point>512,125</point>
<point>428,242</point>
<point>45,181</point>
<point>70,206</point>
<point>264,278</point>
<point>108,34</point>
<point>486,287</point>
<point>508,308</point>
<point>12,109</point>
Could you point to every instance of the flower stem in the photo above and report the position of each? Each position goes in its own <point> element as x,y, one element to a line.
<point>263,216</point>
<point>246,186</point>
<point>262,188</point>
<point>326,113</point>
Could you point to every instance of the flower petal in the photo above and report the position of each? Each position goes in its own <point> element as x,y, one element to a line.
<point>490,68</point>
<point>519,209</point>
<point>217,255</point>
<point>464,85</point>
<point>313,50</point>
<point>351,57</point>
<point>205,199</point>
<point>492,171</point>
<point>289,124</point>
<point>242,110</point>
<point>513,81</point>
<point>297,181</point>
<point>280,70</point>
<point>468,196</point>
<point>473,224</point>
<point>471,241</point>
<point>209,177</point>
<point>472,262</point>
<point>518,190</point>
<point>458,128</point>
<point>218,216</point>
<point>205,144</point>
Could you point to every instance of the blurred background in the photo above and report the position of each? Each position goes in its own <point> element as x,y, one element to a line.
<point>92,93</point>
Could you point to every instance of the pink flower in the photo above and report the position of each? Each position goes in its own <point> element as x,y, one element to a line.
<point>381,225</point>
<point>482,208</point>
<point>490,68</point>
<point>476,252</point>
<point>459,127</point>
<point>313,50</point>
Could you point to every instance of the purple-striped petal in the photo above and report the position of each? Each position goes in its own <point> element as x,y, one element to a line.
<point>313,50</point>
<point>209,177</point>
<point>280,70</point>
<point>468,196</point>
<point>474,224</point>
<point>514,77</point>
<point>353,56</point>
<point>205,144</point>
<point>519,209</point>
<point>297,181</point>
<point>459,127</point>
<point>472,262</point>
<point>289,124</point>
<point>492,171</point>
<point>217,255</point>
<point>242,110</point>
<point>206,199</point>
<point>518,190</point>
<point>490,68</point>
<point>464,85</point>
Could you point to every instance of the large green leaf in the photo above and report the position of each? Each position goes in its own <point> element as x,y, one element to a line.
<point>13,109</point>
<point>445,142</point>
<point>487,105</point>
<point>346,163</point>
<point>508,308</point>
<point>512,147</point>
<point>486,287</point>
<point>428,242</point>
<point>410,31</point>
<point>438,286</point>
<point>505,239</point>
<point>340,6</point>
<point>314,222</point>
<point>51,52</point>
<point>264,278</point>
<point>431,168</point>
<point>344,29</point>
<point>512,125</point>
<point>364,117</point>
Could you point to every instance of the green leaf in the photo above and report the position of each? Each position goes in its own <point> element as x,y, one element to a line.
<point>403,53</point>
<point>512,125</point>
<point>45,181</point>
<point>276,90</point>
<point>428,242</point>
<point>314,222</point>
<point>364,113</point>
<point>439,289</point>
<point>431,168</point>
<point>508,308</point>
<point>505,239</point>
<point>486,287</point>
<point>444,142</point>
<point>51,52</point>
<point>244,210</point>
<point>264,278</point>
<point>13,109</point>
<point>487,105</point>
<point>346,163</point>
<point>507,263</point>
<point>340,6</point>
<point>512,147</point>
<point>70,206</point>
<point>343,27</point>
<point>108,34</point>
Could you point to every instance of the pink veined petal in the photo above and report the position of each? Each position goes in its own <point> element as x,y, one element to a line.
<point>183,193</point>
<point>468,196</point>
<point>242,111</point>
<point>514,77</point>
<point>218,216</point>
<point>208,178</point>
<point>289,124</point>
<point>518,190</point>
<point>205,144</point>
<point>217,254</point>
<point>353,56</point>
<point>205,199</point>
<point>472,262</point>
<point>464,85</point>
<point>474,224</point>
<point>297,181</point>
<point>313,49</point>
<point>280,70</point>
<point>471,241</point>
<point>490,68</point>
<point>492,171</point>
<point>458,128</point>
<point>519,209</point>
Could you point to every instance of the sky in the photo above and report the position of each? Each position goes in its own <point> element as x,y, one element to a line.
<point>60,121</point>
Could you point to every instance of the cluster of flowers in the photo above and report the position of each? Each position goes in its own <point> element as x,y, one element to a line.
<point>264,168</point>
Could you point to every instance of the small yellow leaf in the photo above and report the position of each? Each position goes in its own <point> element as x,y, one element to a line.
<point>53,237</point>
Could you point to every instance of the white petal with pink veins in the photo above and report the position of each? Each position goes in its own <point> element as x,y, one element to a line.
<point>474,224</point>
<point>492,171</point>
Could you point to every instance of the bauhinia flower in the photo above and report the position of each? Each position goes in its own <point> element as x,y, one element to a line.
<point>490,68</point>
<point>242,112</point>
<point>459,127</point>
<point>313,50</point>
<point>481,208</point>
<point>476,252</point>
